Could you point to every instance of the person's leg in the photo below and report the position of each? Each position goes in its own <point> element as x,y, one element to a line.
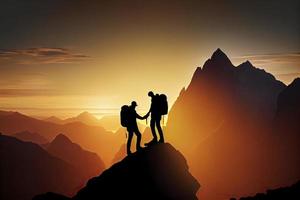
<point>161,135</point>
<point>138,140</point>
<point>152,125</point>
<point>154,140</point>
<point>130,134</point>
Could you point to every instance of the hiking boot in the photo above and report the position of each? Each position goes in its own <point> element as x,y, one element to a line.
<point>139,148</point>
<point>151,143</point>
<point>161,141</point>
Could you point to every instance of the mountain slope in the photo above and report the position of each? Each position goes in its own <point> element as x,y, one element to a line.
<point>221,92</point>
<point>27,170</point>
<point>31,137</point>
<point>226,114</point>
<point>88,163</point>
<point>288,110</point>
<point>157,172</point>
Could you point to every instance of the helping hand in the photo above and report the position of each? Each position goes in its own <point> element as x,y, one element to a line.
<point>146,116</point>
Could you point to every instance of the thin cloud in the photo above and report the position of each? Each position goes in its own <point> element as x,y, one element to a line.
<point>272,58</point>
<point>43,55</point>
<point>26,92</point>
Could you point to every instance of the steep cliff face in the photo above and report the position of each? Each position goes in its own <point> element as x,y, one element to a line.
<point>221,94</point>
<point>223,123</point>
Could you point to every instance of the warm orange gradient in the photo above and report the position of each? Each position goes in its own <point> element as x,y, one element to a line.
<point>61,58</point>
<point>106,83</point>
<point>101,55</point>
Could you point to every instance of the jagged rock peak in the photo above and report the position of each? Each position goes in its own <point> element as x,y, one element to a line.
<point>218,61</point>
<point>247,63</point>
<point>220,56</point>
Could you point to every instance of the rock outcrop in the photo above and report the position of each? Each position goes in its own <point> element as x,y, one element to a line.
<point>156,172</point>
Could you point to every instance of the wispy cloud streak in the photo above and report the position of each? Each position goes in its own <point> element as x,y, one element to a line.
<point>272,58</point>
<point>26,92</point>
<point>43,55</point>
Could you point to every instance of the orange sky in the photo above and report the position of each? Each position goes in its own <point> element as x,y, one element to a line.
<point>98,56</point>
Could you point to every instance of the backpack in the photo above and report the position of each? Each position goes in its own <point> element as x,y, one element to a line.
<point>124,115</point>
<point>163,104</point>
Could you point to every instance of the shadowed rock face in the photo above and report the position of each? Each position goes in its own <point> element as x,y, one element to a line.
<point>222,123</point>
<point>288,110</point>
<point>157,172</point>
<point>219,93</point>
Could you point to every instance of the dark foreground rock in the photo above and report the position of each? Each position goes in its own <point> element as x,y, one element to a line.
<point>157,172</point>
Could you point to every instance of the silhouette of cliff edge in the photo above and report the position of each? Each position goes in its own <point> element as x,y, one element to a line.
<point>156,172</point>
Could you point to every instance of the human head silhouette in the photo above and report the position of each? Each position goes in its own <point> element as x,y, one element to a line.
<point>150,94</point>
<point>133,104</point>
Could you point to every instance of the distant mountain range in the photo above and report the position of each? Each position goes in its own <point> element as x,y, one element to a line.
<point>238,127</point>
<point>93,138</point>
<point>111,122</point>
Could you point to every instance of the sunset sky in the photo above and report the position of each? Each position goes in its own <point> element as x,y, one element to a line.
<point>60,57</point>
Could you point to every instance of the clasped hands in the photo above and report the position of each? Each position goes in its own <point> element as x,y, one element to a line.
<point>146,116</point>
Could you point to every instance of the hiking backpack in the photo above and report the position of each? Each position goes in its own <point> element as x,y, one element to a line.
<point>163,104</point>
<point>124,115</point>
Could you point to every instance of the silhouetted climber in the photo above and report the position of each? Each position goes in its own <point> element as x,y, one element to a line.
<point>159,107</point>
<point>128,120</point>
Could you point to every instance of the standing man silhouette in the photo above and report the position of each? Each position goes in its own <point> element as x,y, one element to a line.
<point>133,127</point>
<point>155,119</point>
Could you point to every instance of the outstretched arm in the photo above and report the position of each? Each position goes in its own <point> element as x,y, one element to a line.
<point>140,117</point>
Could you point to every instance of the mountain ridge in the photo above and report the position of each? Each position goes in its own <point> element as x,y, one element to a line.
<point>93,138</point>
<point>89,163</point>
<point>227,116</point>
<point>27,170</point>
